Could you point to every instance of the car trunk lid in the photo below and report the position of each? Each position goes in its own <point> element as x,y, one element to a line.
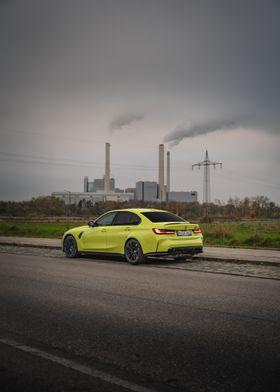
<point>179,229</point>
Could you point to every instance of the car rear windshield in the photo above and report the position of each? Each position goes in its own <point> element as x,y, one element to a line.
<point>159,216</point>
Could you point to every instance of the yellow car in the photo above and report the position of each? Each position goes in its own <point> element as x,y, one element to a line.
<point>136,234</point>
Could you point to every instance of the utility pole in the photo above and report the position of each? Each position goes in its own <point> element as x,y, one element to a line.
<point>206,177</point>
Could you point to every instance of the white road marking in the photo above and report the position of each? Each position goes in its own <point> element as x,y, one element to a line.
<point>90,371</point>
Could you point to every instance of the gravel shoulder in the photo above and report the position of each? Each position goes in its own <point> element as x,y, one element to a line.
<point>228,267</point>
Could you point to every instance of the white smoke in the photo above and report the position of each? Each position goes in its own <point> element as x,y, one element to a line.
<point>125,119</point>
<point>181,132</point>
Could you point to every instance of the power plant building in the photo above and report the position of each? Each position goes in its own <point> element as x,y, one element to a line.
<point>98,184</point>
<point>104,189</point>
<point>90,198</point>
<point>146,191</point>
<point>187,197</point>
<point>99,190</point>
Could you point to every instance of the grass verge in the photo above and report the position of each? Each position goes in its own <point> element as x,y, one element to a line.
<point>36,229</point>
<point>249,234</point>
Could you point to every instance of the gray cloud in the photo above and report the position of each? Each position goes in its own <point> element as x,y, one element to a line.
<point>65,69</point>
<point>125,119</point>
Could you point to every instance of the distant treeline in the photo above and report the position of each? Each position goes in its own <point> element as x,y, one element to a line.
<point>259,207</point>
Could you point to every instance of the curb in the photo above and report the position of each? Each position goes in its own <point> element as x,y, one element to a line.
<point>241,247</point>
<point>24,245</point>
<point>238,261</point>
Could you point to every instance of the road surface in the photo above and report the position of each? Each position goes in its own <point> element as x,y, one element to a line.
<point>93,325</point>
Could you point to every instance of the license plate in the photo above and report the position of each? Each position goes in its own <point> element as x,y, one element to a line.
<point>182,233</point>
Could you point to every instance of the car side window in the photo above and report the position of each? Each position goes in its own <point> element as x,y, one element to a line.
<point>134,219</point>
<point>106,220</point>
<point>126,218</point>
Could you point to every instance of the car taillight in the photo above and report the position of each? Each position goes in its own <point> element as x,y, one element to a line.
<point>197,230</point>
<point>163,231</point>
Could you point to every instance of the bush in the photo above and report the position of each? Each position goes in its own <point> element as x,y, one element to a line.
<point>254,240</point>
<point>218,230</point>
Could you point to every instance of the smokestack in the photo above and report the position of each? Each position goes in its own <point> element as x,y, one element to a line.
<point>86,184</point>
<point>107,168</point>
<point>168,171</point>
<point>161,189</point>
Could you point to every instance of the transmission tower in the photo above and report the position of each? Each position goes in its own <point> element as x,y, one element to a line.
<point>206,177</point>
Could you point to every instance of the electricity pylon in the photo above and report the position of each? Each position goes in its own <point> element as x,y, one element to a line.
<point>206,177</point>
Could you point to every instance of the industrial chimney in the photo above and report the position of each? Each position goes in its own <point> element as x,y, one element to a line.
<point>107,168</point>
<point>168,171</point>
<point>161,188</point>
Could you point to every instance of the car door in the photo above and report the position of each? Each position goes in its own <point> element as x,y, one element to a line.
<point>95,238</point>
<point>120,230</point>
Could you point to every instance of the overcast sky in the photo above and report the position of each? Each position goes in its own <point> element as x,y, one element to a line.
<point>194,75</point>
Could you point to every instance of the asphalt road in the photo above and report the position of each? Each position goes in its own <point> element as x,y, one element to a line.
<point>90,325</point>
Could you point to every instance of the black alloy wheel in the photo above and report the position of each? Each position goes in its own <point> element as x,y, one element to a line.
<point>70,247</point>
<point>133,252</point>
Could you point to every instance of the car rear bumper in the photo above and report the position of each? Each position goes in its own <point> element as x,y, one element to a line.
<point>178,251</point>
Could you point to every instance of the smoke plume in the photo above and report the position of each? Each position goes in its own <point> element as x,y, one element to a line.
<point>125,119</point>
<point>180,132</point>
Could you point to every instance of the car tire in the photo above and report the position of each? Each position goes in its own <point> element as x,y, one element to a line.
<point>70,247</point>
<point>133,252</point>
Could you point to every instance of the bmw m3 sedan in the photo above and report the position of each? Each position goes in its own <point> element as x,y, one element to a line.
<point>136,234</point>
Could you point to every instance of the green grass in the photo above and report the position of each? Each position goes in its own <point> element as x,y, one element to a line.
<point>36,229</point>
<point>250,234</point>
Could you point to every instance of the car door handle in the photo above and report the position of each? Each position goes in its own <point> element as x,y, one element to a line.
<point>127,228</point>
<point>103,230</point>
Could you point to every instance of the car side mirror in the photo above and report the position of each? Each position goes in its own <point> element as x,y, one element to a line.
<point>92,223</point>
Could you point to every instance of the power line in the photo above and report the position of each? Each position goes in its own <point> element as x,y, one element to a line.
<point>43,160</point>
<point>228,174</point>
<point>14,157</point>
